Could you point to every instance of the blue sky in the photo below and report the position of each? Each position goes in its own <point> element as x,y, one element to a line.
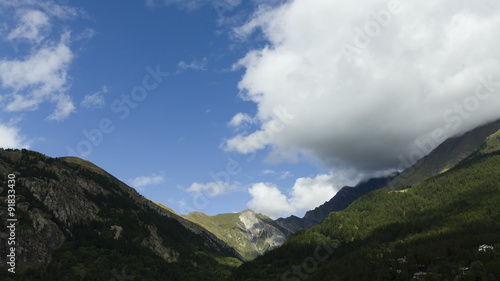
<point>218,106</point>
<point>173,137</point>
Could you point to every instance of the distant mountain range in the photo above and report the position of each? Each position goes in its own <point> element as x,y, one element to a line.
<point>77,222</point>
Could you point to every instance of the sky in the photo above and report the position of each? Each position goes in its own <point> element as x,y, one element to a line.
<point>222,105</point>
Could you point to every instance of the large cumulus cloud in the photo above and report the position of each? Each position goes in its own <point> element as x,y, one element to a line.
<point>369,82</point>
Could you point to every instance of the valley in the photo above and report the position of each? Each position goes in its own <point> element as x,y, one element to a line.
<point>81,221</point>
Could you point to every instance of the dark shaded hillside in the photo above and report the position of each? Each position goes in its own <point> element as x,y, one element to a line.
<point>339,202</point>
<point>293,223</point>
<point>445,156</point>
<point>344,198</point>
<point>77,222</point>
<point>441,159</point>
<point>433,230</point>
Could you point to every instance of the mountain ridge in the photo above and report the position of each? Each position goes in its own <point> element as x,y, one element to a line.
<point>443,228</point>
<point>249,233</point>
<point>72,209</point>
<point>69,210</point>
<point>445,156</point>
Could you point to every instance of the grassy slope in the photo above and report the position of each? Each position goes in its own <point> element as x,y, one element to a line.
<point>229,229</point>
<point>75,161</point>
<point>492,143</point>
<point>225,227</point>
<point>437,224</point>
<point>164,207</point>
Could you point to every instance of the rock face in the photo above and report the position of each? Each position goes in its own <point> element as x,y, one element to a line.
<point>249,233</point>
<point>260,232</point>
<point>64,202</point>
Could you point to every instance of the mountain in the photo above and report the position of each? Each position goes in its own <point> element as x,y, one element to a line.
<point>344,198</point>
<point>249,233</point>
<point>294,223</point>
<point>445,156</point>
<point>443,228</point>
<point>339,202</point>
<point>252,234</point>
<point>492,143</point>
<point>77,222</point>
<point>74,221</point>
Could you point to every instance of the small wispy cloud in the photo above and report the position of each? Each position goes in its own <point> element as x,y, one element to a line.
<point>193,65</point>
<point>282,175</point>
<point>33,25</point>
<point>142,181</point>
<point>285,175</point>
<point>96,100</point>
<point>211,189</point>
<point>190,5</point>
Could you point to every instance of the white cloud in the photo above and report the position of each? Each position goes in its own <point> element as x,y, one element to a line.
<point>268,199</point>
<point>211,189</point>
<point>285,175</point>
<point>39,77</point>
<point>95,100</point>
<point>221,6</point>
<point>143,181</point>
<point>368,109</point>
<point>10,137</point>
<point>51,8</point>
<point>194,65</point>
<point>269,172</point>
<point>41,74</point>
<point>240,119</point>
<point>184,4</point>
<point>64,107</point>
<point>266,135</point>
<point>33,25</point>
<point>306,194</point>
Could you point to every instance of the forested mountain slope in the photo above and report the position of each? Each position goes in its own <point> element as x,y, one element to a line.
<point>77,222</point>
<point>433,230</point>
